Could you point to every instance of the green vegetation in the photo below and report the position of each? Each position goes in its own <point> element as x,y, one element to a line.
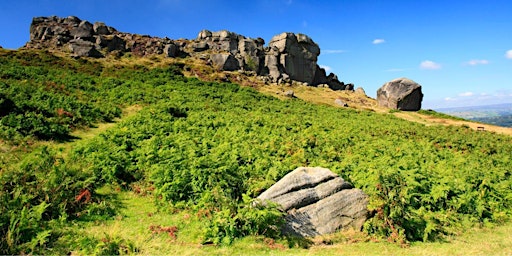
<point>440,115</point>
<point>503,120</point>
<point>206,149</point>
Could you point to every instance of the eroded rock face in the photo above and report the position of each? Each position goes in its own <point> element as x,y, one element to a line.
<point>247,51</point>
<point>317,202</point>
<point>400,93</point>
<point>223,61</point>
<point>85,39</point>
<point>297,54</point>
<point>289,57</point>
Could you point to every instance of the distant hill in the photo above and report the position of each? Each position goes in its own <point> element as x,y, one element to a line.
<point>500,114</point>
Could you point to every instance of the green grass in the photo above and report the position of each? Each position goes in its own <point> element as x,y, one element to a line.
<point>138,214</point>
<point>440,115</point>
<point>74,177</point>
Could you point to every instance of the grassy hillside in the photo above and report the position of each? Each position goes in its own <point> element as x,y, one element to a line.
<point>202,150</point>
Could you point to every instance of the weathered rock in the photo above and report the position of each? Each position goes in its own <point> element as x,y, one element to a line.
<point>223,61</point>
<point>317,202</point>
<point>101,29</point>
<point>251,52</point>
<point>83,31</point>
<point>200,46</point>
<point>340,102</point>
<point>82,48</point>
<point>400,93</point>
<point>334,83</point>
<point>288,58</point>
<point>297,56</point>
<point>170,50</point>
<point>360,90</point>
<point>110,42</point>
<point>289,94</point>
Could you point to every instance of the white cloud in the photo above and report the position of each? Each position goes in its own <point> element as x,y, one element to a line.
<point>428,64</point>
<point>449,99</point>
<point>466,94</point>
<point>378,41</point>
<point>477,62</point>
<point>333,51</point>
<point>508,54</point>
<point>327,68</point>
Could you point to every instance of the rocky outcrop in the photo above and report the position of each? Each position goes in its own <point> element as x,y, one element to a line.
<point>248,52</point>
<point>294,55</point>
<point>223,61</point>
<point>360,90</point>
<point>80,47</point>
<point>288,57</point>
<point>400,93</point>
<point>85,39</point>
<point>317,202</point>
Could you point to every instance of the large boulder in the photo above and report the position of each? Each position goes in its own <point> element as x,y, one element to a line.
<point>223,61</point>
<point>251,53</point>
<point>400,93</point>
<point>84,30</point>
<point>317,202</point>
<point>297,56</point>
<point>82,48</point>
<point>247,51</point>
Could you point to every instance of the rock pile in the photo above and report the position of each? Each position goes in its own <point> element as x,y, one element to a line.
<point>317,202</point>
<point>83,38</point>
<point>289,57</point>
<point>400,93</point>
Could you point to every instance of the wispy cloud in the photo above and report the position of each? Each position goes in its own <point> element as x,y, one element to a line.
<point>466,94</point>
<point>327,68</point>
<point>508,54</point>
<point>378,41</point>
<point>430,65</point>
<point>481,98</point>
<point>476,62</point>
<point>333,51</point>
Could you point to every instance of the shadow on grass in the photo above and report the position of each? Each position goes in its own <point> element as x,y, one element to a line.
<point>299,242</point>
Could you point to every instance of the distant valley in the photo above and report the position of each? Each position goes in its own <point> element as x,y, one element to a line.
<point>500,114</point>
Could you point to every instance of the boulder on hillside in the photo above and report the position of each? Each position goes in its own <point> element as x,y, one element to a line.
<point>247,51</point>
<point>101,29</point>
<point>400,93</point>
<point>360,90</point>
<point>84,30</point>
<point>296,56</point>
<point>82,48</point>
<point>317,202</point>
<point>224,61</point>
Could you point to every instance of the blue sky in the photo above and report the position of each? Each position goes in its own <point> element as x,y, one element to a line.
<point>460,51</point>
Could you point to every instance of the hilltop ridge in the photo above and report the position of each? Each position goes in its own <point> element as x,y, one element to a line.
<point>288,56</point>
<point>289,60</point>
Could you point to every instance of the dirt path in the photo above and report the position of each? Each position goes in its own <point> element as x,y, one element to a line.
<point>430,120</point>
